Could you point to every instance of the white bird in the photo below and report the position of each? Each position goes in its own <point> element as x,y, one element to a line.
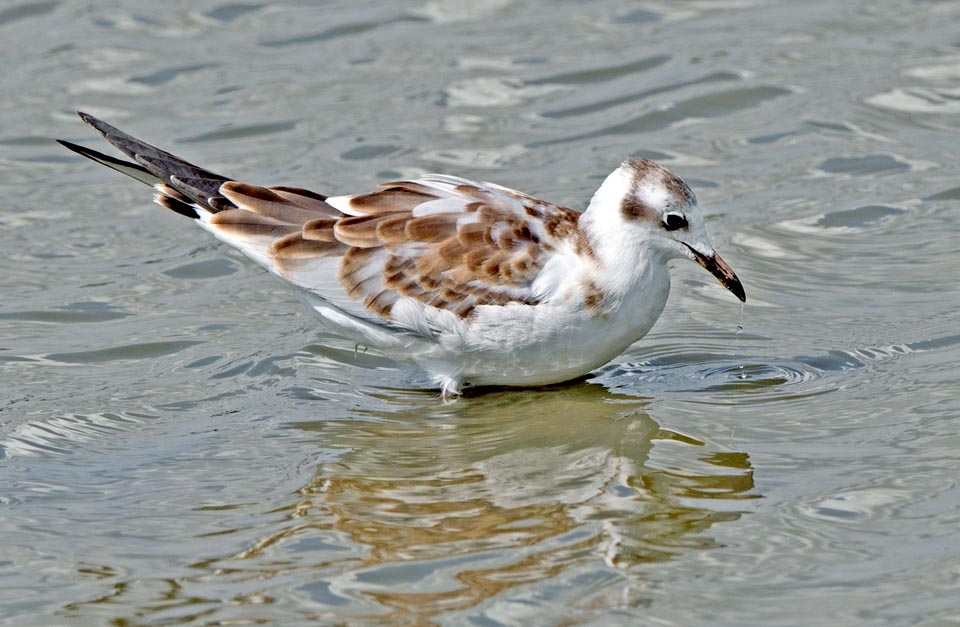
<point>474,283</point>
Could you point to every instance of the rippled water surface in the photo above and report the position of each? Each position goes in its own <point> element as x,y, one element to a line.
<point>180,444</point>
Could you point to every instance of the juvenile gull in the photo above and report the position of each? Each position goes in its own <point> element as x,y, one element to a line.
<point>474,283</point>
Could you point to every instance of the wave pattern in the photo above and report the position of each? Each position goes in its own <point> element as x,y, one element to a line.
<point>181,445</point>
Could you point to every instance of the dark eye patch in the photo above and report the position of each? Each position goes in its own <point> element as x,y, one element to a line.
<point>675,221</point>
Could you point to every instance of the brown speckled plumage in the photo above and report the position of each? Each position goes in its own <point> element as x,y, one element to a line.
<point>644,168</point>
<point>487,253</point>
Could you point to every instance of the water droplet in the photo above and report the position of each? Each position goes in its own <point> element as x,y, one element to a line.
<point>743,374</point>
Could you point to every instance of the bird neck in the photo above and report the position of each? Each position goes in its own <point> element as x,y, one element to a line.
<point>631,275</point>
<point>631,269</point>
<point>622,252</point>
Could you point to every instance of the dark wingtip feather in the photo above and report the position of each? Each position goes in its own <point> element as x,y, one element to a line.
<point>96,123</point>
<point>178,182</point>
<point>176,206</point>
<point>196,182</point>
<point>132,170</point>
<point>93,121</point>
<point>77,148</point>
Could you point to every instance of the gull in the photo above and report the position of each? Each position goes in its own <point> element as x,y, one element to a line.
<point>472,282</point>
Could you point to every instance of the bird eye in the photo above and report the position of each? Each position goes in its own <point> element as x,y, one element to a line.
<point>674,221</point>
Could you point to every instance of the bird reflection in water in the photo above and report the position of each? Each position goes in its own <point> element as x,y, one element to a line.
<point>436,509</point>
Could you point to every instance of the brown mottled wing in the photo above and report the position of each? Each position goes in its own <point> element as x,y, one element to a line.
<point>444,242</point>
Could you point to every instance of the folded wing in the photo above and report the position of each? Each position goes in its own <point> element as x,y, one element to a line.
<point>438,242</point>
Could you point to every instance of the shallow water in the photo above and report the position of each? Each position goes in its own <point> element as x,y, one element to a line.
<point>181,445</point>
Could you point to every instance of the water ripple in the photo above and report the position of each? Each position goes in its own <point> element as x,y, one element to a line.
<point>862,166</point>
<point>331,33</point>
<point>434,508</point>
<point>232,11</point>
<point>609,103</point>
<point>242,131</point>
<point>145,350</point>
<point>27,10</point>
<point>607,73</point>
<point>271,474</point>
<point>744,378</point>
<point>61,435</point>
<point>166,75</point>
<point>919,100</point>
<point>84,312</point>
<point>713,105</point>
<point>718,104</point>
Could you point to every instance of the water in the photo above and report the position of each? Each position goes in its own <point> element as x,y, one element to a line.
<point>181,445</point>
<point>743,374</point>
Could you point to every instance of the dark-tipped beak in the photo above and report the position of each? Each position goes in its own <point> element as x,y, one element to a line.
<point>716,266</point>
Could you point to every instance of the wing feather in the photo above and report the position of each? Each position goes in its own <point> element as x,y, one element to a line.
<point>452,244</point>
<point>268,202</point>
<point>437,242</point>
<point>442,242</point>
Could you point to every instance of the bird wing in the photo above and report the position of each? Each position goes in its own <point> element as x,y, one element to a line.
<point>439,242</point>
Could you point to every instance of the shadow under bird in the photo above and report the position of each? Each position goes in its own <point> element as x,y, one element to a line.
<point>472,282</point>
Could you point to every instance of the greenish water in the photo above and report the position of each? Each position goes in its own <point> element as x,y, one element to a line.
<point>180,444</point>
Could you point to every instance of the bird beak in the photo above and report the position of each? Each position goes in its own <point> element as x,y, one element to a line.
<point>716,266</point>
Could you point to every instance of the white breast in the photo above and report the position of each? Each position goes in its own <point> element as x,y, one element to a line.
<point>548,343</point>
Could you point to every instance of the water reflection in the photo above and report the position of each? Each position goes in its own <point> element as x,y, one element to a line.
<point>433,509</point>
